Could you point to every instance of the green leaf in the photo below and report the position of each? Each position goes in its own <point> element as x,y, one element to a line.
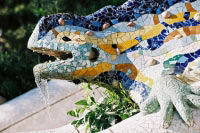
<point>92,99</point>
<point>74,122</point>
<point>82,110</point>
<point>89,87</point>
<point>87,127</point>
<point>81,102</point>
<point>77,123</point>
<point>124,116</point>
<point>72,113</point>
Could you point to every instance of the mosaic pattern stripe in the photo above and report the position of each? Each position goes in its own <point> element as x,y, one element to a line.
<point>130,10</point>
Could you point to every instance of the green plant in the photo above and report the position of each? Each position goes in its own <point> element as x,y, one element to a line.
<point>113,108</point>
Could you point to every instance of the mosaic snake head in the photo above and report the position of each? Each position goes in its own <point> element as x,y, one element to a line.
<point>79,56</point>
<point>85,58</point>
<point>74,60</point>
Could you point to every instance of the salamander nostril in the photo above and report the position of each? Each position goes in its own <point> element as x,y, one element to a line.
<point>94,54</point>
<point>65,56</point>
<point>114,45</point>
<point>66,39</point>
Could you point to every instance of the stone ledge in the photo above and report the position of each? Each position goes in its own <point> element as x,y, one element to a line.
<point>30,103</point>
<point>65,129</point>
<point>140,124</point>
<point>151,123</point>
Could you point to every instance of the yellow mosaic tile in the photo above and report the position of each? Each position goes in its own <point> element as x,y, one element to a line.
<point>108,48</point>
<point>192,14</point>
<point>141,78</point>
<point>66,33</point>
<point>128,44</point>
<point>153,32</point>
<point>120,34</point>
<point>119,40</point>
<point>93,71</point>
<point>113,36</point>
<point>168,55</point>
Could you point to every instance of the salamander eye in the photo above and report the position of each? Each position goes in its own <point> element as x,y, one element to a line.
<point>66,39</point>
<point>94,54</point>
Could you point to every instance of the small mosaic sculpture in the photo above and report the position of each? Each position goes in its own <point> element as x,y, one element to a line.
<point>141,45</point>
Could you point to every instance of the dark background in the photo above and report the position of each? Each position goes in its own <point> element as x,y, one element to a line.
<point>17,21</point>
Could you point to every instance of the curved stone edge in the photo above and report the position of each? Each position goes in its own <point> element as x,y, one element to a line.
<point>139,123</point>
<point>65,129</point>
<point>30,103</point>
<point>151,123</point>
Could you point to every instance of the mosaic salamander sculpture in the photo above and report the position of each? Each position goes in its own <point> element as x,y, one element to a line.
<point>150,47</point>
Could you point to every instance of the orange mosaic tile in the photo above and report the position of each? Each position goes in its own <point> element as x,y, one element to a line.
<point>93,71</point>
<point>194,29</point>
<point>77,32</point>
<point>174,33</point>
<point>189,7</point>
<point>156,19</point>
<point>125,67</point>
<point>171,36</point>
<point>108,48</point>
<point>186,29</point>
<point>197,29</point>
<point>55,32</point>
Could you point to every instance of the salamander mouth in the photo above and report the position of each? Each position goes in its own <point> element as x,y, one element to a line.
<point>64,55</point>
<point>61,55</point>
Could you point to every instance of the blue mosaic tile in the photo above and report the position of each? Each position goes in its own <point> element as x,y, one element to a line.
<point>129,11</point>
<point>157,41</point>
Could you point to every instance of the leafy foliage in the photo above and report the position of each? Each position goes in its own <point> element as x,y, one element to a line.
<point>113,108</point>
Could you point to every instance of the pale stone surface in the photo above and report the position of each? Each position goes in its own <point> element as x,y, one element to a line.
<point>64,129</point>
<point>31,102</point>
<point>151,124</point>
<point>27,112</point>
<point>141,123</point>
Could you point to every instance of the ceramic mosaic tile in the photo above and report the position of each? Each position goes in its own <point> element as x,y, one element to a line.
<point>136,45</point>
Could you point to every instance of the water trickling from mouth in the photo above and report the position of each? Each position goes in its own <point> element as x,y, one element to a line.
<point>44,92</point>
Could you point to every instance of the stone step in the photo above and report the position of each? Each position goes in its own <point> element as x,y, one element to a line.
<point>28,113</point>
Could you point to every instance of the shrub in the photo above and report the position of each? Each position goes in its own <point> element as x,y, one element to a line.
<point>115,107</point>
